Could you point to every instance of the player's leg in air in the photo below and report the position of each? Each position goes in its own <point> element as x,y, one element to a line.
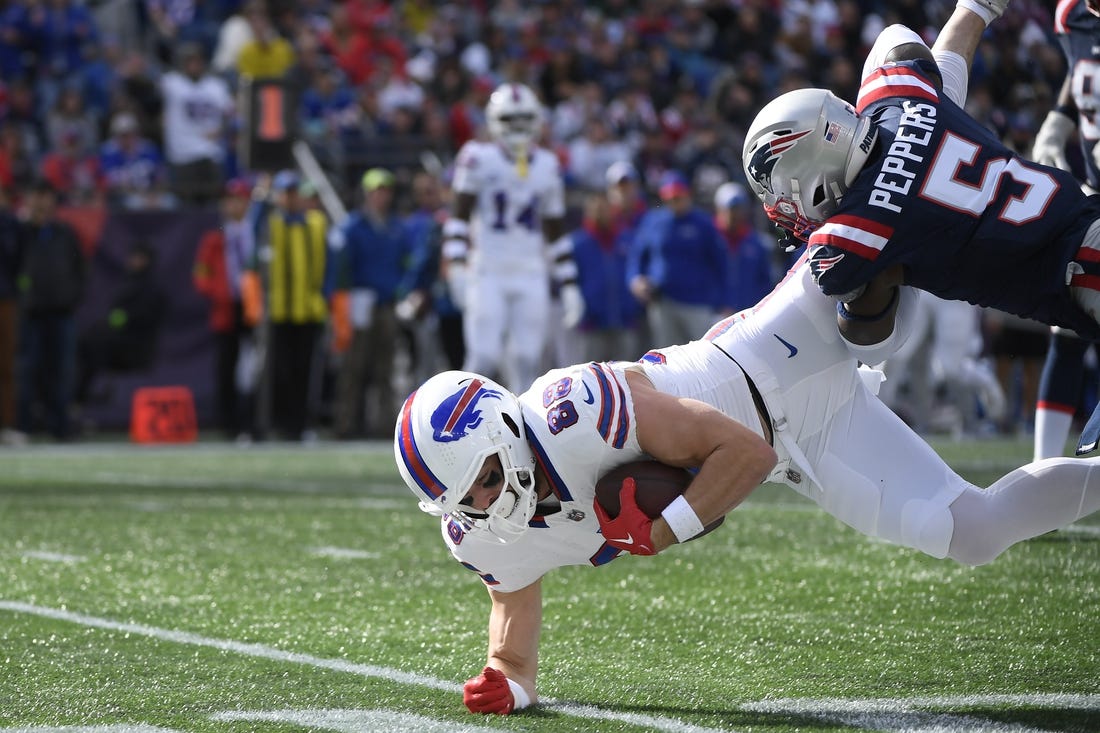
<point>1059,391</point>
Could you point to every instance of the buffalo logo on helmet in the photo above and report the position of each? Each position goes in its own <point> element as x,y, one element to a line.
<point>458,414</point>
<point>768,154</point>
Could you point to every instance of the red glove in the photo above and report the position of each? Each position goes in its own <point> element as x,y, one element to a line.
<point>488,693</point>
<point>630,530</point>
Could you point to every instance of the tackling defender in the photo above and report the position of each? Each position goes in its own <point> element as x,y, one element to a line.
<point>907,187</point>
<point>509,200</point>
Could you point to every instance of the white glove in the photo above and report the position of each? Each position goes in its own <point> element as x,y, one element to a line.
<point>1050,141</point>
<point>456,284</point>
<point>987,10</point>
<point>572,305</point>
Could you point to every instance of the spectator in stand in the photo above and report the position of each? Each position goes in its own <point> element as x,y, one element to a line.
<point>223,258</point>
<point>70,117</point>
<point>295,301</point>
<point>197,106</point>
<point>132,168</point>
<point>368,270</point>
<point>234,33</point>
<point>13,59</point>
<point>468,114</point>
<point>678,266</point>
<point>751,275</point>
<point>609,329</point>
<point>51,287</point>
<point>266,55</point>
<point>707,157</point>
<point>73,172</point>
<point>58,31</point>
<point>593,153</point>
<point>11,259</point>
<point>625,197</point>
<point>22,115</point>
<point>17,164</point>
<point>175,22</point>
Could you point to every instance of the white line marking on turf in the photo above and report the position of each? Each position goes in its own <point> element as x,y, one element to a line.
<point>1090,530</point>
<point>899,714</point>
<point>353,721</point>
<point>53,556</point>
<point>668,725</point>
<point>119,728</point>
<point>344,553</point>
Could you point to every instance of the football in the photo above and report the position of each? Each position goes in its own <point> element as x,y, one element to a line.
<point>658,484</point>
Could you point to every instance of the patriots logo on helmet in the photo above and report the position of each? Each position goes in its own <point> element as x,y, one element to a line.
<point>458,414</point>
<point>768,154</point>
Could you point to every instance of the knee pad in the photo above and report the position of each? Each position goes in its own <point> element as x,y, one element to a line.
<point>927,526</point>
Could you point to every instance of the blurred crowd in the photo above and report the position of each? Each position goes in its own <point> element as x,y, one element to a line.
<point>133,104</point>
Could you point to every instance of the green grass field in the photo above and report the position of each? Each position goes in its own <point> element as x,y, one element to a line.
<point>281,588</point>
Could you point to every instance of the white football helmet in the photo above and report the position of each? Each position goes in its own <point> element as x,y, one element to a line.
<point>445,431</point>
<point>801,154</point>
<point>514,116</point>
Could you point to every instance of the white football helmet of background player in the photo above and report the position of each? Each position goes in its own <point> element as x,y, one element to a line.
<point>801,153</point>
<point>514,117</point>
<point>445,431</point>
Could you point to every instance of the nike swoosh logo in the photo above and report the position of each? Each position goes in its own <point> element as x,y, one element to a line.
<point>589,399</point>
<point>628,541</point>
<point>788,344</point>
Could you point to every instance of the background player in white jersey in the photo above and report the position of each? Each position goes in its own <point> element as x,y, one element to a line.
<point>774,392</point>
<point>509,203</point>
<point>1077,27</point>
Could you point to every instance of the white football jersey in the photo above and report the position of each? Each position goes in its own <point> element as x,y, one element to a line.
<point>194,113</point>
<point>580,423</point>
<point>506,231</point>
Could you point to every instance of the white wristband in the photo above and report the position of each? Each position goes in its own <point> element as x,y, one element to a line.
<point>682,519</point>
<point>987,10</point>
<point>522,699</point>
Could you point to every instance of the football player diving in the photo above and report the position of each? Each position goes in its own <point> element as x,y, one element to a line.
<point>773,393</point>
<point>906,187</point>
<point>506,238</point>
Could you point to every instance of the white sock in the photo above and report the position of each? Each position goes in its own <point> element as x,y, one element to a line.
<point>1051,430</point>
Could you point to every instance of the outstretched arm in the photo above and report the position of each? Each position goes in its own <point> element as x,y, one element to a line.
<point>508,681</point>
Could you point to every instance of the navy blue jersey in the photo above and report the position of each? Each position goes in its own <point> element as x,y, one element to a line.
<point>966,217</point>
<point>1078,31</point>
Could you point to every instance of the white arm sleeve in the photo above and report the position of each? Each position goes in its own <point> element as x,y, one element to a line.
<point>904,322</point>
<point>956,75</point>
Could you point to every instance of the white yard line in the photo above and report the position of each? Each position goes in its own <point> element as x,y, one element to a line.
<point>905,714</point>
<point>344,553</point>
<point>668,725</point>
<point>53,556</point>
<point>353,721</point>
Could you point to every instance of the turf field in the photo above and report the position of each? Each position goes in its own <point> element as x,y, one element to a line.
<point>281,588</point>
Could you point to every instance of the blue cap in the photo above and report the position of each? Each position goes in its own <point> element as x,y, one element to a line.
<point>673,184</point>
<point>285,180</point>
